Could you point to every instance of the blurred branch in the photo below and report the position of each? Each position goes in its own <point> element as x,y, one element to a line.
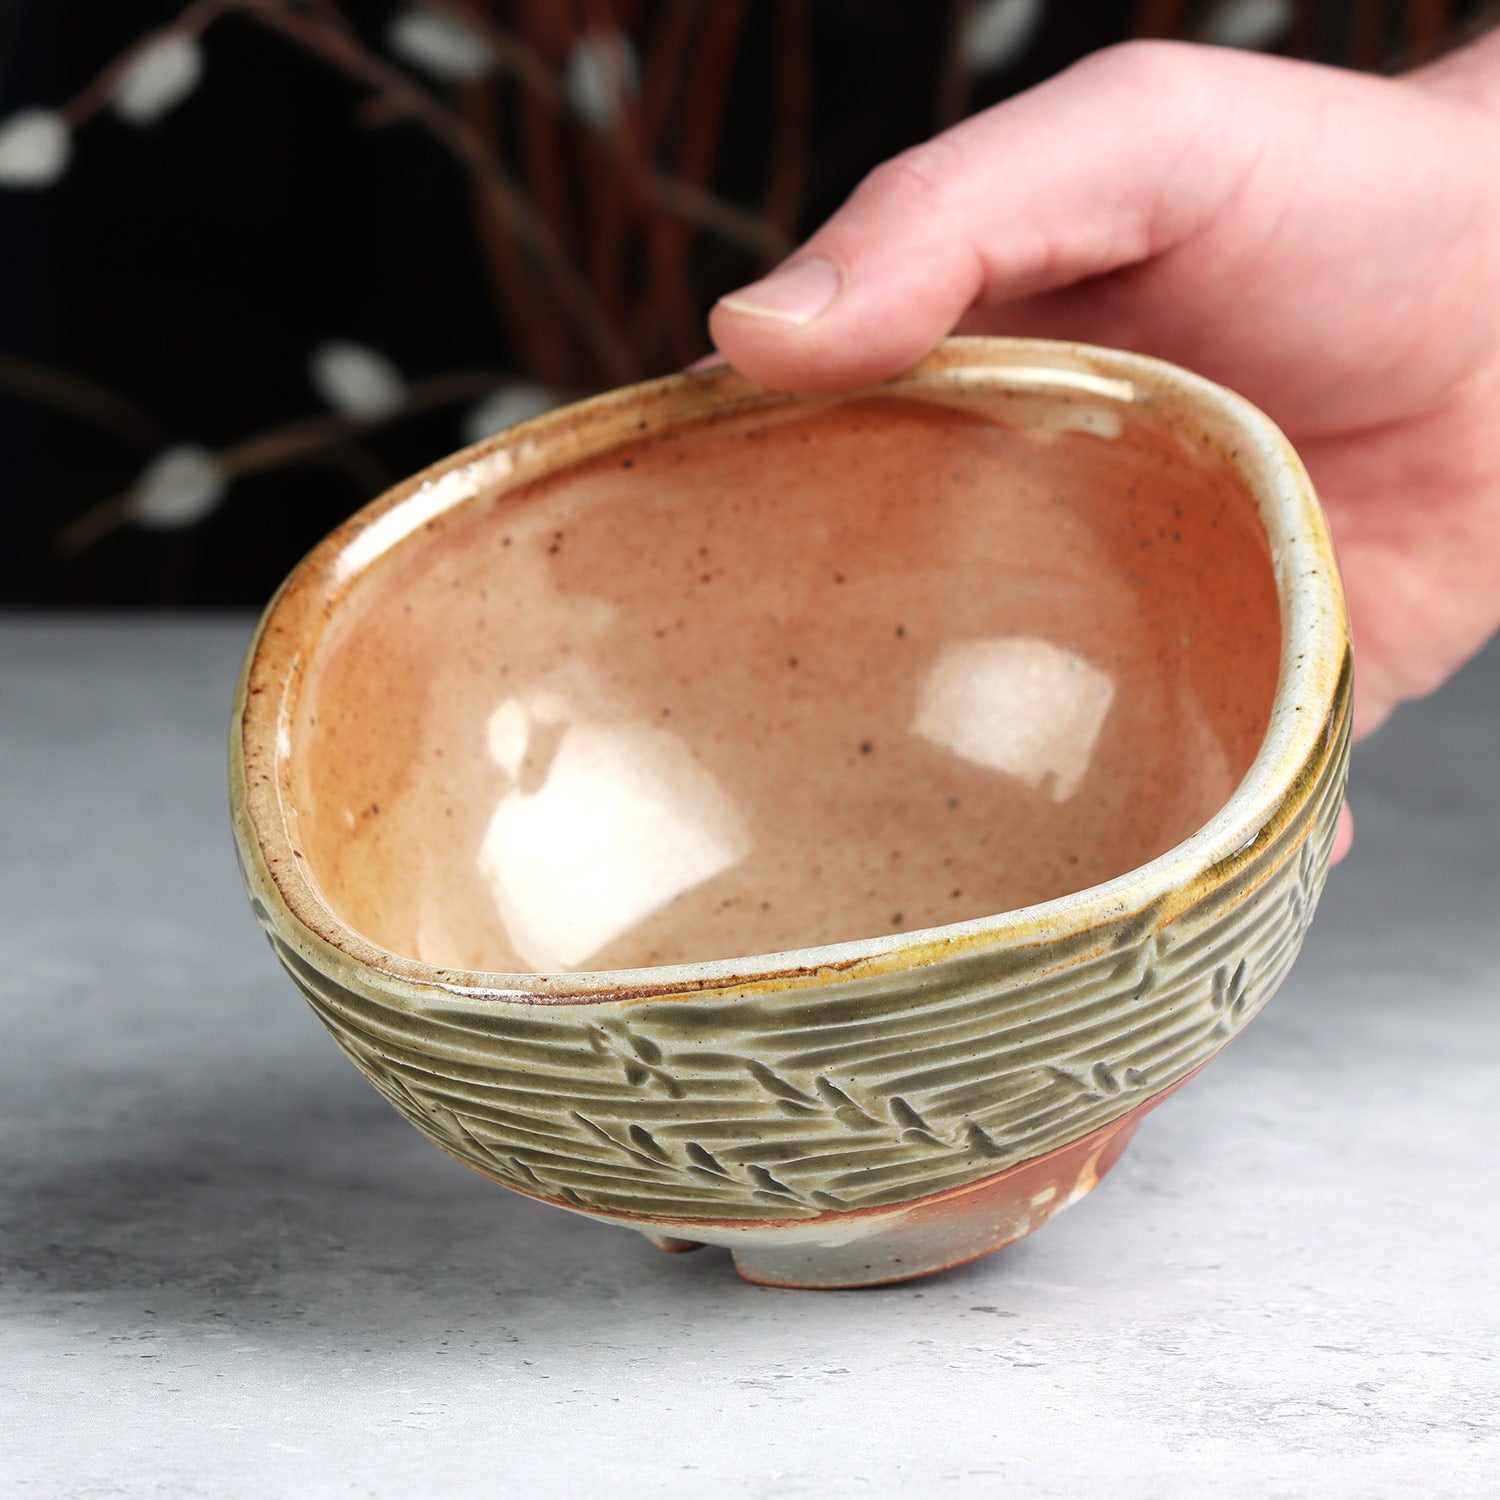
<point>539,338</point>
<point>607,168</point>
<point>685,197</point>
<point>955,79</point>
<point>662,69</point>
<point>671,300</point>
<point>1156,18</point>
<point>1303,35</point>
<point>320,29</point>
<point>704,103</point>
<point>1484,20</point>
<point>326,438</point>
<point>548,29</point>
<point>742,226</point>
<point>100,91</point>
<point>370,476</point>
<point>343,51</point>
<point>511,53</point>
<point>1427,23</point>
<point>296,439</point>
<point>82,399</point>
<point>707,96</point>
<point>786,174</point>
<point>621,177</point>
<point>1366,42</point>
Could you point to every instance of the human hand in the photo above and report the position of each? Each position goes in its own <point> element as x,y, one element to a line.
<point>1326,243</point>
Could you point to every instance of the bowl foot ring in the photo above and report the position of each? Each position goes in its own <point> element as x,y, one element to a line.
<point>932,1234</point>
<point>671,1244</point>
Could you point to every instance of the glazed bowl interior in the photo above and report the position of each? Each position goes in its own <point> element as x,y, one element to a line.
<point>781,673</point>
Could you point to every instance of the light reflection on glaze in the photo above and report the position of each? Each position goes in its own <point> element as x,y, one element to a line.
<point>431,498</point>
<point>604,823</point>
<point>623,822</point>
<point>1018,705</point>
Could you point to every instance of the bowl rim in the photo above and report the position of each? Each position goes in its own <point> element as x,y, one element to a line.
<point>1308,709</point>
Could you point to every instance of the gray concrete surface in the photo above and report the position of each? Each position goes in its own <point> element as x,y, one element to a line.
<point>227,1268</point>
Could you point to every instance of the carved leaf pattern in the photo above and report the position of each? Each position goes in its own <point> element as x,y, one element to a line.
<point>856,1094</point>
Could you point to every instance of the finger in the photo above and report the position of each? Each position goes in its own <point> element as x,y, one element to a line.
<point>1097,169</point>
<point>1344,836</point>
<point>1101,310</point>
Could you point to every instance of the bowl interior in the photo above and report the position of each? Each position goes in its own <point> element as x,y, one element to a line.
<point>787,675</point>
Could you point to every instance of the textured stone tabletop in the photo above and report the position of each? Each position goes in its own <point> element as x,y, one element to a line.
<point>228,1268</point>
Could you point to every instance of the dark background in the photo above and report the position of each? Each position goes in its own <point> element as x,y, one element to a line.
<point>191,266</point>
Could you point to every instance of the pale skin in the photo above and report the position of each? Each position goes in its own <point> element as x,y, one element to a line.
<point>1326,243</point>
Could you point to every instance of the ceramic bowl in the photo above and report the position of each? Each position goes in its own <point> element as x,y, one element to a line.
<point>999,714</point>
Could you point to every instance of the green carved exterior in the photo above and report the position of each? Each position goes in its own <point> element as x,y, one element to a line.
<point>836,1093</point>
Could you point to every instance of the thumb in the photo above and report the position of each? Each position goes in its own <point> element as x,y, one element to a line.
<point>1099,168</point>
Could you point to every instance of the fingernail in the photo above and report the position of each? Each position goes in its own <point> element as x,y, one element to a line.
<point>795,293</point>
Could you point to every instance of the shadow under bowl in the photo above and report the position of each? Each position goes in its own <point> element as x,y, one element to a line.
<point>998,715</point>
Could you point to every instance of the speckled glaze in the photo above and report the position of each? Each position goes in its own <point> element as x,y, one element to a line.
<point>1003,713</point>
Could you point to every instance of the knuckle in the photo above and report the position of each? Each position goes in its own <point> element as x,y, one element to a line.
<point>918,178</point>
<point>1144,64</point>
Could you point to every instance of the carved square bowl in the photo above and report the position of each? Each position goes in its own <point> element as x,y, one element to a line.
<point>817,826</point>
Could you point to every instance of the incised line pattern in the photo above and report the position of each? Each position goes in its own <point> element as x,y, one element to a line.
<point>861,1093</point>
